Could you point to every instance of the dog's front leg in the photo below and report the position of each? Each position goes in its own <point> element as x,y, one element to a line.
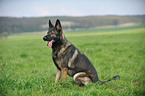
<point>58,74</point>
<point>64,73</point>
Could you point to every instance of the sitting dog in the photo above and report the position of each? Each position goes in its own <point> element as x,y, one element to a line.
<point>70,60</point>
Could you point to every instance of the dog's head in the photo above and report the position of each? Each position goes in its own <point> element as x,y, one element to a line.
<point>54,33</point>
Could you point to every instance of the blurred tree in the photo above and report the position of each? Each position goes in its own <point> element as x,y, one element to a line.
<point>31,24</point>
<point>115,22</point>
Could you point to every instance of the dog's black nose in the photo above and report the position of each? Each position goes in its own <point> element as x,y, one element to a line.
<point>44,38</point>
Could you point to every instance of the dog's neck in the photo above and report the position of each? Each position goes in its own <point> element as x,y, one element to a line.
<point>60,44</point>
<point>57,44</point>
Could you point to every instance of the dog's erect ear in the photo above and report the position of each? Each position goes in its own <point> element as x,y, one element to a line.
<point>58,25</point>
<point>50,24</point>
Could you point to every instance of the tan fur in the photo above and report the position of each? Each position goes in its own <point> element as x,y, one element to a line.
<point>57,76</point>
<point>83,77</point>
<point>73,57</point>
<point>64,73</point>
<point>78,74</point>
<point>62,50</point>
<point>85,80</point>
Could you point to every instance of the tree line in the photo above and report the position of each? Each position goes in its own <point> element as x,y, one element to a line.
<point>10,25</point>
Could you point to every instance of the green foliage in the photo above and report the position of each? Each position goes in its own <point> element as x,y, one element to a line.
<point>26,66</point>
<point>10,25</point>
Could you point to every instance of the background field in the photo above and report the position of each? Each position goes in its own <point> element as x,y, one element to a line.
<point>26,66</point>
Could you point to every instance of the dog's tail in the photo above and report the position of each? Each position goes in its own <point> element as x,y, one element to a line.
<point>113,78</point>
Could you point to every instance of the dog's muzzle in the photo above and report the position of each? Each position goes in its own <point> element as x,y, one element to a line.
<point>44,38</point>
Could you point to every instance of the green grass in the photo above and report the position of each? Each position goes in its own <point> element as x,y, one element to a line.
<point>26,66</point>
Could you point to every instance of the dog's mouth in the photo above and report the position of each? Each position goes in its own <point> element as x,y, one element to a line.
<point>50,43</point>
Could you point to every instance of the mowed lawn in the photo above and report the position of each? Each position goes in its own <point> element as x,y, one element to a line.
<point>26,66</point>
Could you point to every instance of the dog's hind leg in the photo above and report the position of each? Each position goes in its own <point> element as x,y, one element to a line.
<point>57,76</point>
<point>82,79</point>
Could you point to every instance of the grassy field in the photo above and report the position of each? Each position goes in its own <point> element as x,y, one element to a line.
<point>26,66</point>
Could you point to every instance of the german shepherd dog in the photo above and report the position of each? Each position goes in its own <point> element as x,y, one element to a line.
<point>70,60</point>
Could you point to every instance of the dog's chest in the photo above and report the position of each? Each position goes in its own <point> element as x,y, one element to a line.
<point>58,59</point>
<point>58,62</point>
<point>60,54</point>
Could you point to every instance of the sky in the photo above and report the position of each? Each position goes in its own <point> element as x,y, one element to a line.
<point>36,8</point>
